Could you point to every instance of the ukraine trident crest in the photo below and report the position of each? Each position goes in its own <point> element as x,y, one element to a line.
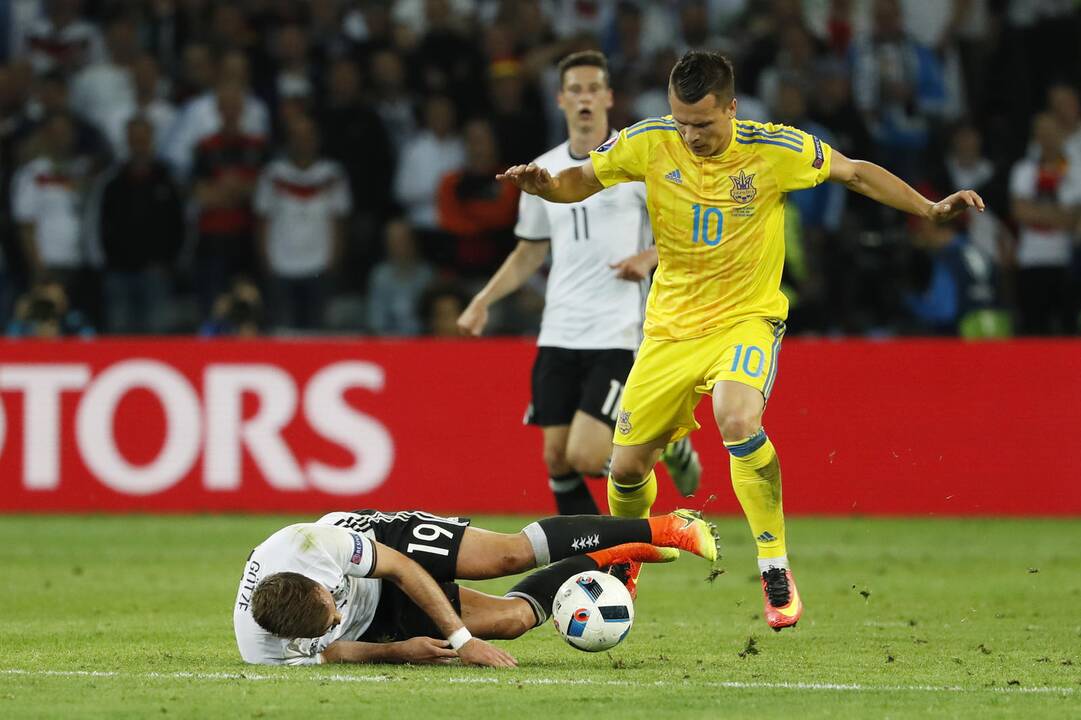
<point>743,189</point>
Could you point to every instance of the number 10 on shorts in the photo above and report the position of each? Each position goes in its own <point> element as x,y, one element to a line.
<point>753,358</point>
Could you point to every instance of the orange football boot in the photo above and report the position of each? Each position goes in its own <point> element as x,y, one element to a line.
<point>686,530</point>
<point>783,604</point>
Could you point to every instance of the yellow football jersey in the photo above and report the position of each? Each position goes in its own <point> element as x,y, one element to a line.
<point>718,221</point>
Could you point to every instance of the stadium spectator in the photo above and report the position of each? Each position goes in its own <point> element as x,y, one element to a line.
<point>652,97</point>
<point>326,32</point>
<point>101,87</point>
<point>762,28</point>
<point>1039,48</point>
<point>230,30</point>
<point>900,87</point>
<point>694,28</point>
<point>148,103</point>
<point>294,79</point>
<point>61,39</point>
<point>836,28</point>
<point>197,73</point>
<point>574,18</point>
<point>226,166</point>
<point>392,99</point>
<point>957,278</point>
<point>167,29</point>
<point>237,312</point>
<point>303,201</point>
<point>527,29</point>
<point>201,117</point>
<point>433,153</point>
<point>831,106</point>
<point>623,44</point>
<point>964,162</point>
<point>44,312</point>
<point>1045,195</point>
<point>141,230</point>
<point>14,82</point>
<point>51,97</point>
<point>517,116</point>
<point>795,64</point>
<point>475,208</point>
<point>370,28</point>
<point>440,306</point>
<point>446,60</point>
<point>47,197</point>
<point>398,283</point>
<point>1063,103</point>
<point>413,16</point>
<point>359,141</point>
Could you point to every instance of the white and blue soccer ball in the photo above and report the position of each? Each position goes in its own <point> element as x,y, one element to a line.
<point>593,611</point>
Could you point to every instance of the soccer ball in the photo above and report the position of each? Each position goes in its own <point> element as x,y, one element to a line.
<point>593,611</point>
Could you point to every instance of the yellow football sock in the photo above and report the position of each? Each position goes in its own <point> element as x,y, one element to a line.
<point>632,500</point>
<point>756,478</point>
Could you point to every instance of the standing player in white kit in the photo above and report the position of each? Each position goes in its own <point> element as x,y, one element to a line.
<point>602,256</point>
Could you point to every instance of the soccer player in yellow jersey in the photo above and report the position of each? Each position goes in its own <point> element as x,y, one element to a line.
<point>715,317</point>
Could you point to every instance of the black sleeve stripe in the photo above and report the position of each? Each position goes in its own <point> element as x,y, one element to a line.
<point>375,559</point>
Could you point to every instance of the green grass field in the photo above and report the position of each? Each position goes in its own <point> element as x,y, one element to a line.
<point>131,617</point>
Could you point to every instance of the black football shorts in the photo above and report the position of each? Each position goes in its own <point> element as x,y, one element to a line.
<point>566,381</point>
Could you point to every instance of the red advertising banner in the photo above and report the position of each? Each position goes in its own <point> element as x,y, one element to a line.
<point>901,427</point>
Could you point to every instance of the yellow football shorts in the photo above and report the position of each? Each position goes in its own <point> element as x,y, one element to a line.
<point>669,377</point>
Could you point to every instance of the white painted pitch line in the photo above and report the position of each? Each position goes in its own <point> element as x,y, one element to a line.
<point>731,685</point>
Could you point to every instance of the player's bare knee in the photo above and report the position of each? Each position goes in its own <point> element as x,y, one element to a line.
<point>587,462</point>
<point>521,621</point>
<point>512,620</point>
<point>737,424</point>
<point>629,472</point>
<point>555,459</point>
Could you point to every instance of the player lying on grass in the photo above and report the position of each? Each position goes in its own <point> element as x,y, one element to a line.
<point>315,592</point>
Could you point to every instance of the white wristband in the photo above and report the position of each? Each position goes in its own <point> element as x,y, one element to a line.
<point>459,637</point>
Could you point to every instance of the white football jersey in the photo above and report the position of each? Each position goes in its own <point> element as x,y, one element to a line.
<point>300,206</point>
<point>336,557</point>
<point>586,307</point>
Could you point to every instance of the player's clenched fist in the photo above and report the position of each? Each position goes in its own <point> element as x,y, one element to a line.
<point>473,319</point>
<point>530,178</point>
<point>478,652</point>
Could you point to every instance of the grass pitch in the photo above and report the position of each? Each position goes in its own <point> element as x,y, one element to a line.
<point>131,617</point>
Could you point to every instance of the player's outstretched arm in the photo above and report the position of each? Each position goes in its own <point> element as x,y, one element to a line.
<point>572,185</point>
<point>415,651</point>
<point>425,592</point>
<point>523,261</point>
<point>881,185</point>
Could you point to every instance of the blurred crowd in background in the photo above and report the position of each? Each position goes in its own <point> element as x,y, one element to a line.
<point>327,166</point>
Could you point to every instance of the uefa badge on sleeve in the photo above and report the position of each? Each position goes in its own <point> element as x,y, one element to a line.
<point>358,550</point>
<point>624,423</point>
<point>607,144</point>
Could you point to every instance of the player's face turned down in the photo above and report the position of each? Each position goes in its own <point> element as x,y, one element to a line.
<point>705,126</point>
<point>585,97</point>
<point>327,601</point>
